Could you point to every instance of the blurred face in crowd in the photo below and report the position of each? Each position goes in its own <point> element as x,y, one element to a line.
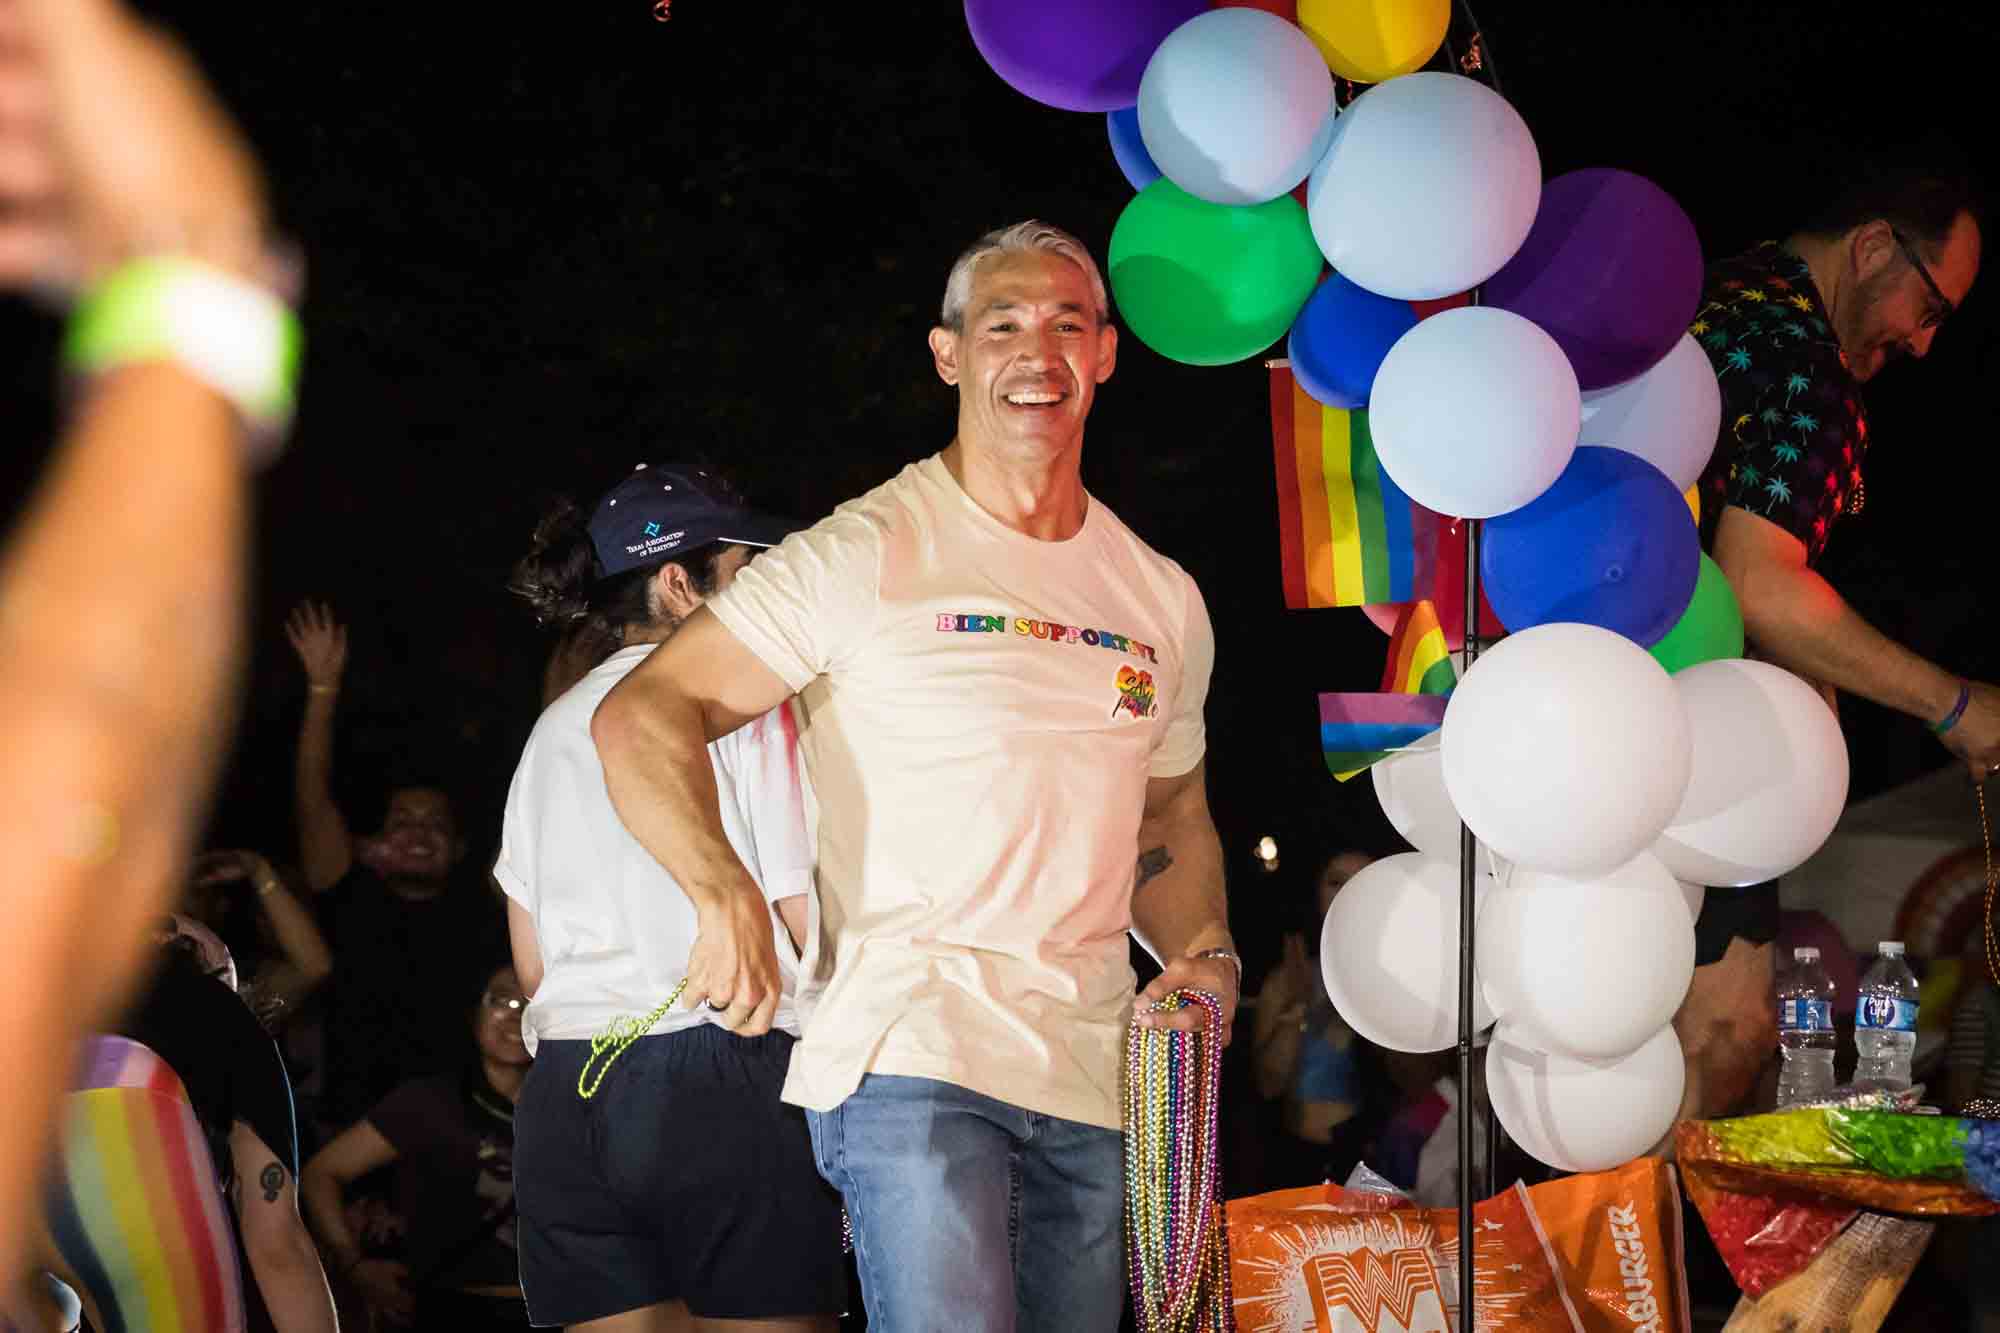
<point>1904,291</point>
<point>1031,355</point>
<point>1338,871</point>
<point>419,836</point>
<point>496,1025</point>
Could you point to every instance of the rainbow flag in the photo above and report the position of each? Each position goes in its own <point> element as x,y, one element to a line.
<point>1419,662</point>
<point>1355,730</point>
<point>1348,536</point>
<point>137,1213</point>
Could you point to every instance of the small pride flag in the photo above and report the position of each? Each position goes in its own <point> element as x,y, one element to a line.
<point>1348,536</point>
<point>1355,730</point>
<point>1419,662</point>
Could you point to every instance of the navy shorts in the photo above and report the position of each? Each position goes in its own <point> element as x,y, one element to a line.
<point>684,1178</point>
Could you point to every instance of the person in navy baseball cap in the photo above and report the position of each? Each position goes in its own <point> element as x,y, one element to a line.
<point>662,508</point>
<point>655,546</point>
<point>602,935</point>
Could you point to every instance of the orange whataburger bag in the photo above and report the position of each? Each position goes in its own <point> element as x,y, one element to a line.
<point>1618,1235</point>
<point>1332,1260</point>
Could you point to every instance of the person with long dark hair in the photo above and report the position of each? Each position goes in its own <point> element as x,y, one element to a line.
<point>663,1184</point>
<point>451,1140</point>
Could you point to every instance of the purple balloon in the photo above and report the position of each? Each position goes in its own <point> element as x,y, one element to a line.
<point>1077,55</point>
<point>1611,270</point>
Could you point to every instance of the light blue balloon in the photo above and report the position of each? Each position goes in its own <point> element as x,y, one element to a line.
<point>1129,148</point>
<point>1236,106</point>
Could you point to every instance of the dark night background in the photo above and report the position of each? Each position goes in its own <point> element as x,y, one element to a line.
<point>548,242</point>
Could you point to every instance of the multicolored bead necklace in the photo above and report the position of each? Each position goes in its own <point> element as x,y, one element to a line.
<point>1177,1250</point>
<point>1992,886</point>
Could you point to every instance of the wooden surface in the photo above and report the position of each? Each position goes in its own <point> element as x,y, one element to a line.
<point>1848,1288</point>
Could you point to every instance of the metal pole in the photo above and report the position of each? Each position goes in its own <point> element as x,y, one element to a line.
<point>1468,851</point>
<point>1479,56</point>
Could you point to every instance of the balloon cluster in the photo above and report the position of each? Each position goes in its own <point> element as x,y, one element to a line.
<point>1615,750</point>
<point>1605,792</point>
<point>1570,405</point>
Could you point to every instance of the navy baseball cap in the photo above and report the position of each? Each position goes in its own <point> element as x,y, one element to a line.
<point>661,508</point>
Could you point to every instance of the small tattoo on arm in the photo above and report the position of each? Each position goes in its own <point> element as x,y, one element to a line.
<point>1152,864</point>
<point>272,1178</point>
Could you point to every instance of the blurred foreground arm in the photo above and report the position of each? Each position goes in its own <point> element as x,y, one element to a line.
<point>120,590</point>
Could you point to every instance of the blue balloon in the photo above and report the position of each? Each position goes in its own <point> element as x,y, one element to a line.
<point>1339,339</point>
<point>1609,544</point>
<point>1126,146</point>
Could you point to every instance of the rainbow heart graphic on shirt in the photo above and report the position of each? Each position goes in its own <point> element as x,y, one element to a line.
<point>1135,693</point>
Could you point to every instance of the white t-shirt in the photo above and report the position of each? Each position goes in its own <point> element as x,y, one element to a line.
<point>982,713</point>
<point>614,928</point>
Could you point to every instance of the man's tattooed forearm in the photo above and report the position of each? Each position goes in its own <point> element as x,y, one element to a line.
<point>272,1178</point>
<point>1152,863</point>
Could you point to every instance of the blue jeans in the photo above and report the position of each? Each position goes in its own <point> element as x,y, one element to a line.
<point>973,1215</point>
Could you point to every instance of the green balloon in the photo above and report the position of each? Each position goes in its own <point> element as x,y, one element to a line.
<point>1207,284</point>
<point>1711,627</point>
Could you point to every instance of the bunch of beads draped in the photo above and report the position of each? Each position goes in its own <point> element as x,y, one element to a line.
<point>1178,1254</point>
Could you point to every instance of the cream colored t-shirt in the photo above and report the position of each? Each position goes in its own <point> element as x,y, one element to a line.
<point>983,711</point>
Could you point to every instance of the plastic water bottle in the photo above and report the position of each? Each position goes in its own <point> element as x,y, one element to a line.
<point>1885,1021</point>
<point>1805,1030</point>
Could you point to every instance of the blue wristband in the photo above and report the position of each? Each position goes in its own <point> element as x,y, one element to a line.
<point>1957,711</point>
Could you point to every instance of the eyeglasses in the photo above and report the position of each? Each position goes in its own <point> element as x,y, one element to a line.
<point>501,1004</point>
<point>1943,306</point>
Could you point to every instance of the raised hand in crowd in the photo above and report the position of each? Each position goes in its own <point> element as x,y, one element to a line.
<point>326,846</point>
<point>321,643</point>
<point>277,988</point>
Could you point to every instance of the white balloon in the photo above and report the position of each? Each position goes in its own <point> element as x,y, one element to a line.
<point>1430,185</point>
<point>1388,953</point>
<point>1694,895</point>
<point>1769,777</point>
<point>1474,411</point>
<point>1582,1115</point>
<point>1588,968</point>
<point>1566,749</point>
<point>1410,786</point>
<point>1236,106</point>
<point>1670,416</point>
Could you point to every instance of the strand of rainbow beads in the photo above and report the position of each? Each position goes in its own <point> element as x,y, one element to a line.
<point>1178,1255</point>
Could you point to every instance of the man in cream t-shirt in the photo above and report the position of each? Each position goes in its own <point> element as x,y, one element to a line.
<point>1003,690</point>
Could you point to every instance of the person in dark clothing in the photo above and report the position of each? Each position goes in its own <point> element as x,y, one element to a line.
<point>406,936</point>
<point>450,1138</point>
<point>1326,1078</point>
<point>184,1109</point>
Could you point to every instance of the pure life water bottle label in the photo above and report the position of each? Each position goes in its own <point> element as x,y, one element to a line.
<point>1801,1015</point>
<point>1890,1015</point>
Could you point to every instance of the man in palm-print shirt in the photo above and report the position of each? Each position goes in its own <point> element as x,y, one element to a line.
<point>1794,329</point>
